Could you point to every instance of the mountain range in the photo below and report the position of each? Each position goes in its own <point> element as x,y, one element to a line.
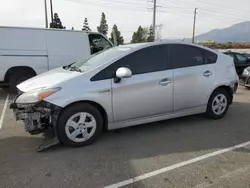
<point>236,33</point>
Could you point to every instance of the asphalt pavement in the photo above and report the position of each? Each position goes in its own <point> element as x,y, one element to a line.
<point>186,152</point>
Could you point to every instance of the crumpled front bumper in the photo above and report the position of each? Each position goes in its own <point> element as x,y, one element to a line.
<point>37,117</point>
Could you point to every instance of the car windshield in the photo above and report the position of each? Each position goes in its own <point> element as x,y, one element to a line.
<point>99,58</point>
<point>247,55</point>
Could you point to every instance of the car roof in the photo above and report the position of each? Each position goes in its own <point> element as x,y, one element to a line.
<point>147,44</point>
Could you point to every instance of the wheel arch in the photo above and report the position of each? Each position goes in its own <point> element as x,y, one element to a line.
<point>226,88</point>
<point>96,105</point>
<point>20,70</point>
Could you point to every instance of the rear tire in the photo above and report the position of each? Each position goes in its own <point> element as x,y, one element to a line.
<point>17,79</point>
<point>218,104</point>
<point>79,125</point>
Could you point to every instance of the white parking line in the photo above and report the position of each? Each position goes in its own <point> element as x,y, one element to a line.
<point>4,110</point>
<point>175,166</point>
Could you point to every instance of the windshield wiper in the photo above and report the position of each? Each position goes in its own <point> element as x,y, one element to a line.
<point>68,66</point>
<point>74,68</point>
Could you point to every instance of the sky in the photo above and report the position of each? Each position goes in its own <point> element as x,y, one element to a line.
<point>176,16</point>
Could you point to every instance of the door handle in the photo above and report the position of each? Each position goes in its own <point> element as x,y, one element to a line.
<point>164,82</point>
<point>104,91</point>
<point>207,73</point>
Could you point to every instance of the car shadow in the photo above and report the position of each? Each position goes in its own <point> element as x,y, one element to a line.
<point>115,155</point>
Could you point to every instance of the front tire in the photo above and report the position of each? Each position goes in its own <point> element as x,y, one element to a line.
<point>79,125</point>
<point>218,104</point>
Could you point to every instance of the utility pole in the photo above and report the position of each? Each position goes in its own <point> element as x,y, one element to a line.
<point>195,12</point>
<point>46,14</point>
<point>51,10</point>
<point>154,18</point>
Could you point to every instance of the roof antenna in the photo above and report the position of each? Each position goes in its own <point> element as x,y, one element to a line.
<point>183,39</point>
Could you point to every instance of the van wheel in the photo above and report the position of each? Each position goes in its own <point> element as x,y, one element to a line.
<point>79,125</point>
<point>17,79</point>
<point>218,104</point>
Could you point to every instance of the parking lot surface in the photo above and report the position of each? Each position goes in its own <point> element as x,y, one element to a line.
<point>139,151</point>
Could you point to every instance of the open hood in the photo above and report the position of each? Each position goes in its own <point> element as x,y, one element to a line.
<point>47,79</point>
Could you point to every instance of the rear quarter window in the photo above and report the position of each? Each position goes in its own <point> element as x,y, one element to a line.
<point>210,56</point>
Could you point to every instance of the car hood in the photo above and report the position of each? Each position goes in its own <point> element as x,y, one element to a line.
<point>47,79</point>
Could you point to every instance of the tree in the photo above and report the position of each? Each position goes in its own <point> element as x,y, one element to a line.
<point>151,34</point>
<point>56,22</point>
<point>103,28</point>
<point>86,25</point>
<point>117,33</point>
<point>140,35</point>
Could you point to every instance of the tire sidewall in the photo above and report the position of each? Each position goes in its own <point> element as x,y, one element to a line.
<point>209,111</point>
<point>67,113</point>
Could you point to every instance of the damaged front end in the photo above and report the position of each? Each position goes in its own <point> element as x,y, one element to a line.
<point>39,117</point>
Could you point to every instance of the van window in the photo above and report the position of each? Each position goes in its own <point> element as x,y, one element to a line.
<point>98,43</point>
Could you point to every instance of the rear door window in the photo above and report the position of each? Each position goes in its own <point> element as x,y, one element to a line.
<point>185,56</point>
<point>210,56</point>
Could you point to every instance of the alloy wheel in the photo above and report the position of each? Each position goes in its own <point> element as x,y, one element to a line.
<point>80,127</point>
<point>219,104</point>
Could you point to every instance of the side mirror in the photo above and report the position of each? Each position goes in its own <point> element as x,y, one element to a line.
<point>123,72</point>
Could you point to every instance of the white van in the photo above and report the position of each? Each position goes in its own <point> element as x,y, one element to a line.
<point>26,52</point>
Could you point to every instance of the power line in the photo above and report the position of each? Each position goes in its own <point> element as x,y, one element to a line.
<point>224,6</point>
<point>222,16</point>
<point>107,3</point>
<point>178,3</point>
<point>115,6</point>
<point>201,11</point>
<point>221,7</point>
<point>213,13</point>
<point>122,1</point>
<point>180,8</point>
<point>170,9</point>
<point>174,7</point>
<point>187,4</point>
<point>208,17</point>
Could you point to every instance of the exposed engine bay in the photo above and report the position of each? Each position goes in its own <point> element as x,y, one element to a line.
<point>38,118</point>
